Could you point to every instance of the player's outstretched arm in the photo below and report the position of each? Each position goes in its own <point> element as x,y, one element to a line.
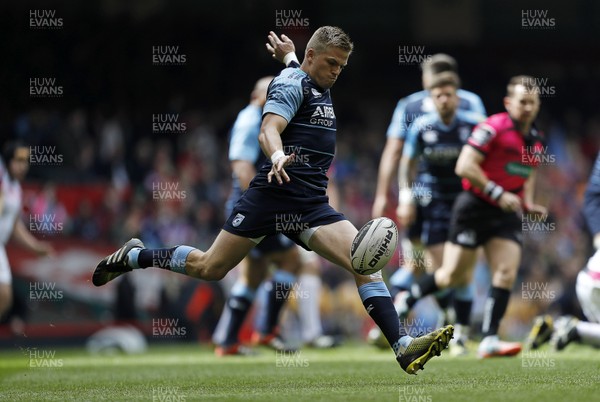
<point>282,49</point>
<point>270,142</point>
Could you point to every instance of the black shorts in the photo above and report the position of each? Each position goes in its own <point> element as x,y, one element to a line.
<point>262,211</point>
<point>436,221</point>
<point>475,221</point>
<point>415,230</point>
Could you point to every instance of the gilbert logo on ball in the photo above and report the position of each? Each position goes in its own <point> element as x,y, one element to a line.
<point>374,246</point>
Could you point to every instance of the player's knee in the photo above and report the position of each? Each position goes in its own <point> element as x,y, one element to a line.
<point>504,275</point>
<point>443,278</point>
<point>214,274</point>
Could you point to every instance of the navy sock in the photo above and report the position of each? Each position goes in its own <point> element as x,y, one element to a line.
<point>444,298</point>
<point>159,258</point>
<point>172,259</point>
<point>463,311</point>
<point>234,315</point>
<point>378,303</point>
<point>495,307</point>
<point>278,291</point>
<point>423,287</point>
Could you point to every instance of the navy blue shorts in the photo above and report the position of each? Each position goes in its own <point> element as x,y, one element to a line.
<point>272,244</point>
<point>415,230</point>
<point>262,211</point>
<point>436,221</point>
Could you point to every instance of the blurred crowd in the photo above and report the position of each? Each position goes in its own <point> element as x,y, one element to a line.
<point>170,188</point>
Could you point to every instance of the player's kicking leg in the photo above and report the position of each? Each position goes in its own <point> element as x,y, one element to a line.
<point>333,242</point>
<point>225,253</point>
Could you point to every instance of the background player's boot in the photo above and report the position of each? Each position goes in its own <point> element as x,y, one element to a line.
<point>115,264</point>
<point>324,342</point>
<point>234,350</point>
<point>458,344</point>
<point>423,348</point>
<point>565,332</point>
<point>273,341</point>
<point>492,346</point>
<point>375,337</point>
<point>540,332</point>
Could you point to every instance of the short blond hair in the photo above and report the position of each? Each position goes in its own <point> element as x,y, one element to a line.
<point>329,36</point>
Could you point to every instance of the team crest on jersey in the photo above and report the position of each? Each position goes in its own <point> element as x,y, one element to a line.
<point>237,221</point>
<point>430,136</point>
<point>316,93</point>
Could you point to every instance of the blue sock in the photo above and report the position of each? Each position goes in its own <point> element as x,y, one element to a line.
<point>278,290</point>
<point>233,316</point>
<point>172,259</point>
<point>378,303</point>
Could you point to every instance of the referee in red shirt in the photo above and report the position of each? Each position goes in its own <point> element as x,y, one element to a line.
<point>498,169</point>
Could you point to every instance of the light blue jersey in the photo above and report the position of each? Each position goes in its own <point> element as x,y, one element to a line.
<point>413,106</point>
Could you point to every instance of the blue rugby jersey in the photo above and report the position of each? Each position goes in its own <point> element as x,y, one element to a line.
<point>310,133</point>
<point>419,103</point>
<point>438,147</point>
<point>243,145</point>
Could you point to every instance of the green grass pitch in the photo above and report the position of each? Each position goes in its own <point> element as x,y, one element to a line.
<point>354,372</point>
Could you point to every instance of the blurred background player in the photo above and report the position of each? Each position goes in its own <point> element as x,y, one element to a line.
<point>434,142</point>
<point>407,111</point>
<point>567,329</point>
<point>246,157</point>
<point>498,181</point>
<point>14,165</point>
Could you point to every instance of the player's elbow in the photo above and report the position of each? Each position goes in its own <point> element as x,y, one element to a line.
<point>461,169</point>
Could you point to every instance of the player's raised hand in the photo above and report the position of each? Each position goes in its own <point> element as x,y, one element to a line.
<point>278,170</point>
<point>279,47</point>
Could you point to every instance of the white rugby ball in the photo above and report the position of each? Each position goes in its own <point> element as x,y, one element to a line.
<point>374,246</point>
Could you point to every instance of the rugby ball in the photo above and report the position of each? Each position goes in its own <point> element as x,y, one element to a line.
<point>374,246</point>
